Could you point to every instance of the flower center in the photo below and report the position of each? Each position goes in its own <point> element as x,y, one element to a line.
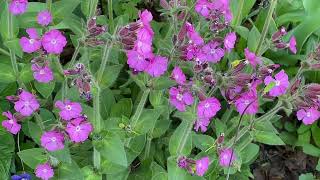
<point>179,97</point>
<point>68,107</point>
<point>53,41</point>
<point>42,72</point>
<point>212,51</point>
<point>78,128</point>
<point>207,105</point>
<point>308,114</point>
<point>26,103</point>
<point>31,41</point>
<point>270,71</point>
<point>53,139</point>
<point>278,83</point>
<point>10,121</point>
<point>45,170</point>
<point>246,102</point>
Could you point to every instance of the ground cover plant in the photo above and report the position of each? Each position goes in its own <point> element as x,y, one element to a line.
<point>179,89</point>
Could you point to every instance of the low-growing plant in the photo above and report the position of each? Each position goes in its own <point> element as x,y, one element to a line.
<point>180,89</point>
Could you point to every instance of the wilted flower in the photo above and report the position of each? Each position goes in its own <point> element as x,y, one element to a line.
<point>79,129</point>
<point>202,166</point>
<point>11,123</point>
<point>54,41</point>
<point>226,157</point>
<point>52,140</point>
<point>157,66</point>
<point>42,74</point>
<point>17,7</point>
<point>229,41</point>
<point>208,108</point>
<point>202,124</point>
<point>31,44</point>
<point>308,115</point>
<point>180,98</point>
<point>178,75</point>
<point>252,58</point>
<point>68,109</point>
<point>27,104</point>
<point>44,171</point>
<point>23,176</point>
<point>44,18</point>
<point>281,83</point>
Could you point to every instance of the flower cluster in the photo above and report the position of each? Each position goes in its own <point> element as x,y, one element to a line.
<point>277,39</point>
<point>137,39</point>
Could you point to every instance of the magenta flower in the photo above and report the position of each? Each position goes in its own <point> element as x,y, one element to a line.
<point>44,171</point>
<point>69,110</point>
<point>224,7</point>
<point>145,18</point>
<point>226,157</point>
<point>137,61</point>
<point>293,45</point>
<point>249,102</point>
<point>79,129</point>
<point>44,18</point>
<point>144,48</point>
<point>180,98</point>
<point>203,7</point>
<point>208,108</point>
<point>31,44</point>
<point>229,41</point>
<point>202,123</point>
<point>252,58</point>
<point>281,83</point>
<point>42,74</point>
<point>54,41</point>
<point>157,66</point>
<point>191,51</point>
<point>308,115</point>
<point>17,7</point>
<point>193,35</point>
<point>27,104</point>
<point>211,52</point>
<point>202,166</point>
<point>11,123</point>
<point>52,140</point>
<point>178,75</point>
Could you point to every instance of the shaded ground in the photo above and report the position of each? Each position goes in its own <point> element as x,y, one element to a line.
<point>282,163</point>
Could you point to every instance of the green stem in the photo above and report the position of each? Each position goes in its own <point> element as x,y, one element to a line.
<point>105,57</point>
<point>110,13</point>
<point>49,4</point>
<point>266,26</point>
<point>74,56</point>
<point>61,72</point>
<point>4,52</point>
<point>140,107</point>
<point>96,158</point>
<point>93,8</point>
<point>238,17</point>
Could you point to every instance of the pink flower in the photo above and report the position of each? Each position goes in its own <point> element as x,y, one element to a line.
<point>180,98</point>
<point>203,7</point>
<point>11,123</point>
<point>308,115</point>
<point>208,108</point>
<point>252,58</point>
<point>27,104</point>
<point>247,99</point>
<point>17,7</point>
<point>44,18</point>
<point>137,61</point>
<point>202,166</point>
<point>178,75</point>
<point>281,83</point>
<point>69,110</point>
<point>191,51</point>
<point>44,171</point>
<point>31,44</point>
<point>54,41</point>
<point>146,18</point>
<point>202,124</point>
<point>224,7</point>
<point>229,41</point>
<point>79,129</point>
<point>212,52</point>
<point>42,74</point>
<point>143,47</point>
<point>193,35</point>
<point>157,66</point>
<point>293,45</point>
<point>226,157</point>
<point>52,140</point>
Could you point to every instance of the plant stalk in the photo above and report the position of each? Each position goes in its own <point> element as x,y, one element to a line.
<point>238,17</point>
<point>110,14</point>
<point>266,26</point>
<point>49,4</point>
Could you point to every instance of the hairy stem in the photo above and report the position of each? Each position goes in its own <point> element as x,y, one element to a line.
<point>74,56</point>
<point>266,26</point>
<point>93,8</point>
<point>4,52</point>
<point>140,107</point>
<point>105,57</point>
<point>110,14</point>
<point>238,17</point>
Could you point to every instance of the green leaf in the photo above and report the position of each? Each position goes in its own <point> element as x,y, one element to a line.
<point>158,173</point>
<point>90,174</point>
<point>156,98</point>
<point>33,157</point>
<point>14,45</point>
<point>62,155</point>
<point>181,140</point>
<point>35,132</point>
<point>107,100</point>
<point>162,83</point>
<point>26,74</point>
<point>161,126</point>
<point>63,8</point>
<point>7,145</point>
<point>253,39</point>
<point>307,176</point>
<point>6,74</point>
<point>135,147</point>
<point>73,23</point>
<point>269,138</point>
<point>311,6</point>
<point>250,153</point>
<point>68,172</point>
<point>112,149</point>
<point>203,142</point>
<point>45,89</point>
<point>4,21</point>
<point>147,120</point>
<point>311,150</point>
<point>316,134</point>
<point>28,20</point>
<point>122,108</point>
<point>110,75</point>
